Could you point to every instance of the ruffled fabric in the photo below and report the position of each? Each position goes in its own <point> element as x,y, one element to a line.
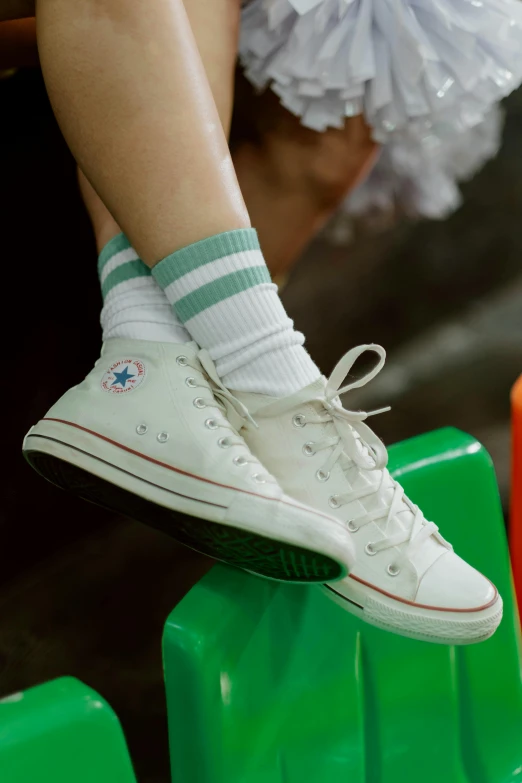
<point>421,179</point>
<point>418,69</point>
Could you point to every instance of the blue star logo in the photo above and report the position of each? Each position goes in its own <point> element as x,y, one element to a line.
<point>122,378</point>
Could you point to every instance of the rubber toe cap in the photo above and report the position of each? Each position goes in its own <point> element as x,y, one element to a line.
<point>452,584</point>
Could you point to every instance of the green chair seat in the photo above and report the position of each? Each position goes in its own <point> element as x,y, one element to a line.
<point>61,732</point>
<point>270,683</point>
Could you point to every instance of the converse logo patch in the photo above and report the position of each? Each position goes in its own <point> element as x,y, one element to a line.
<point>124,375</point>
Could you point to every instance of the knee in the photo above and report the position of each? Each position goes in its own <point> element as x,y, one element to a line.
<point>323,166</point>
<point>339,160</point>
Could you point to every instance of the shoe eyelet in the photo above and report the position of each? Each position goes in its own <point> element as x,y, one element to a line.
<point>370,550</point>
<point>182,361</point>
<point>322,476</point>
<point>258,479</point>
<point>199,402</point>
<point>352,527</point>
<point>333,501</point>
<point>393,570</point>
<point>239,461</point>
<point>163,437</point>
<point>141,429</point>
<point>308,449</point>
<point>299,420</point>
<point>211,424</point>
<point>223,443</point>
<point>191,382</point>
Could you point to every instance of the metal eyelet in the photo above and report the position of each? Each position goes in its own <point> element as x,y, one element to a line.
<point>299,420</point>
<point>191,382</point>
<point>240,461</point>
<point>308,449</point>
<point>211,424</point>
<point>322,476</point>
<point>352,527</point>
<point>182,361</point>
<point>333,501</point>
<point>370,550</point>
<point>259,479</point>
<point>393,570</point>
<point>163,437</point>
<point>223,443</point>
<point>141,429</point>
<point>199,402</point>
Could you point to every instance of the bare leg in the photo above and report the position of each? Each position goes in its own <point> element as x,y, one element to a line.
<point>104,226</point>
<point>288,203</point>
<point>293,179</point>
<point>215,29</point>
<point>105,65</point>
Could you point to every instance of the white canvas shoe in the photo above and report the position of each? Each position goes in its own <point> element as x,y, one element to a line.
<point>406,579</point>
<point>146,434</point>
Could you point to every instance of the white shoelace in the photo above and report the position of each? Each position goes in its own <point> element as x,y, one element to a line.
<point>356,441</point>
<point>235,410</point>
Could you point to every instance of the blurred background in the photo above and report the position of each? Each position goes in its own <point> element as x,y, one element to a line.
<point>85,593</point>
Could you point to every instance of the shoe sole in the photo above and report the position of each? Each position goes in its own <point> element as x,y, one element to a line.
<point>416,622</point>
<point>195,522</point>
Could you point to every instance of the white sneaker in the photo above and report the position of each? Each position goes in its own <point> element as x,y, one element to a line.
<point>406,579</point>
<point>145,434</point>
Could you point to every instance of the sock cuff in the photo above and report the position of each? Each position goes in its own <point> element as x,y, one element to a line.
<point>181,262</point>
<point>113,246</point>
<point>119,263</point>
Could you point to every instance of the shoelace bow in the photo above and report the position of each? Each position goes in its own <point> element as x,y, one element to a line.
<point>357,441</point>
<point>236,413</point>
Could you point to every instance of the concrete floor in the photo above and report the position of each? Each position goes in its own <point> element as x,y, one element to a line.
<point>85,593</point>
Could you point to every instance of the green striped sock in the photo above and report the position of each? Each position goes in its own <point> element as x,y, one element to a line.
<point>134,306</point>
<point>221,290</point>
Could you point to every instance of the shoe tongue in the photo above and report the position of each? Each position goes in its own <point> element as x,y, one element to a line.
<point>254,402</point>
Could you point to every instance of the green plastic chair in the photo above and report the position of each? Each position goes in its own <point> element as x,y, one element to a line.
<point>270,683</point>
<point>61,732</point>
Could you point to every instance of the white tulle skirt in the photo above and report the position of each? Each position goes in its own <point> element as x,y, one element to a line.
<point>427,75</point>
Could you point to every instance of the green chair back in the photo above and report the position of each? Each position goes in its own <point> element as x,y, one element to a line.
<point>61,732</point>
<point>270,683</point>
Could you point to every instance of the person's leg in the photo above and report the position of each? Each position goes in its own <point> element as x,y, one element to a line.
<point>134,306</point>
<point>130,93</point>
<point>140,118</point>
<point>152,430</point>
<point>105,64</point>
<point>293,179</point>
<point>215,27</point>
<point>104,226</point>
<point>137,302</point>
<point>161,107</point>
<point>287,203</point>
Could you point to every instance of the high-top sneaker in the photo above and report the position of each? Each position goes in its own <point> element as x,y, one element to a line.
<point>146,434</point>
<point>407,578</point>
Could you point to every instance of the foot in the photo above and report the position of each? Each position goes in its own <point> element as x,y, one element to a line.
<point>146,435</point>
<point>407,578</point>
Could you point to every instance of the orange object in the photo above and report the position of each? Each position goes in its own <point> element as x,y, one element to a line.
<point>515,532</point>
